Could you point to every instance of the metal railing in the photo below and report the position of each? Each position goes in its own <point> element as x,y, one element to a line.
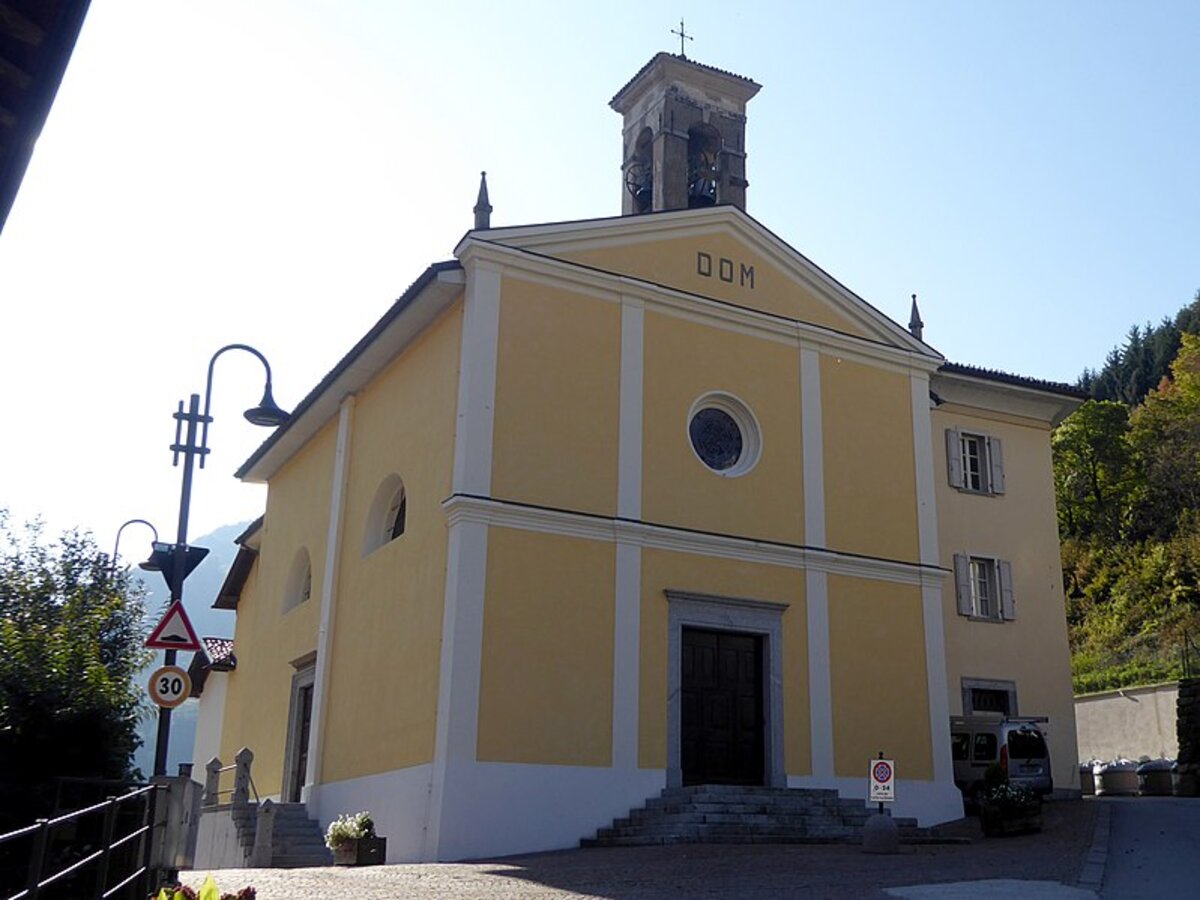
<point>40,836</point>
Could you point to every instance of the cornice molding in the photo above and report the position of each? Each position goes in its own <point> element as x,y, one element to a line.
<point>461,508</point>
<point>612,286</point>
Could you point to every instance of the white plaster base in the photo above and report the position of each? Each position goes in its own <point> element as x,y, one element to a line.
<point>498,809</point>
<point>209,716</point>
<point>398,801</point>
<point>217,842</point>
<point>929,802</point>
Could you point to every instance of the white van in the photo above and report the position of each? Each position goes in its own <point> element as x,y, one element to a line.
<point>1014,743</point>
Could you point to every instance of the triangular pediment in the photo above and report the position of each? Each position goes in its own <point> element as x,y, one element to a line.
<point>720,253</point>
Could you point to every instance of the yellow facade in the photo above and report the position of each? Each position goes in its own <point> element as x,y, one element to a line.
<point>685,361</point>
<point>390,601</point>
<point>572,465</point>
<point>722,266</point>
<point>1019,525</point>
<point>870,472</point>
<point>269,642</point>
<point>546,676</point>
<point>381,614</point>
<point>880,682</point>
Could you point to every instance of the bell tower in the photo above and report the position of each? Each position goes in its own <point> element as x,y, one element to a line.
<point>684,136</point>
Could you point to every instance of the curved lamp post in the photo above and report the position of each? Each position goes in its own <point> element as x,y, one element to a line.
<point>117,543</point>
<point>267,413</point>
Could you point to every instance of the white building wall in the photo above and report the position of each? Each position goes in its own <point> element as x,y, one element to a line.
<point>1128,724</point>
<point>211,713</point>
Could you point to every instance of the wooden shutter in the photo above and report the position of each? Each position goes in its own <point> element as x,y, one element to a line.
<point>1008,606</point>
<point>962,583</point>
<point>996,463</point>
<point>954,457</point>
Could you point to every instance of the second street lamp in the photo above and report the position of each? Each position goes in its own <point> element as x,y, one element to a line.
<point>267,413</point>
<point>117,543</point>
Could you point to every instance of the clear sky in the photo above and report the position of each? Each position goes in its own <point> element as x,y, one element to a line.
<point>276,172</point>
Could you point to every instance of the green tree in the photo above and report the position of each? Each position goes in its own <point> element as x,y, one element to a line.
<point>1165,435</point>
<point>1094,475</point>
<point>1130,372</point>
<point>70,647</point>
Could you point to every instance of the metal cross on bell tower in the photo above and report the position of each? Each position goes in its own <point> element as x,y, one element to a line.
<point>683,36</point>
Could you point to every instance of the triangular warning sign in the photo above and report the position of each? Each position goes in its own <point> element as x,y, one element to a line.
<point>174,632</point>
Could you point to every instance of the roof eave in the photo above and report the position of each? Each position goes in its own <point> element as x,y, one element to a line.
<point>1046,402</point>
<point>416,308</point>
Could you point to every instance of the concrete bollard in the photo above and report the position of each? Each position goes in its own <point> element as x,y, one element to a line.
<point>880,835</point>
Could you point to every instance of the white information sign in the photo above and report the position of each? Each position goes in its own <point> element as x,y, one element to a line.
<point>883,781</point>
<point>169,686</point>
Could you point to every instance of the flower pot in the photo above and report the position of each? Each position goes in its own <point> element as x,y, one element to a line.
<point>999,820</point>
<point>370,851</point>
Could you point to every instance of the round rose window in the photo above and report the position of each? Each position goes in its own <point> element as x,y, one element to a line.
<point>716,438</point>
<point>724,434</point>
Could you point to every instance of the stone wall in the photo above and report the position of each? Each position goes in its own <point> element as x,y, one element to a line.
<point>1187,725</point>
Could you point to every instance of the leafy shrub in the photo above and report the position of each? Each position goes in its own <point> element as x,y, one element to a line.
<point>349,827</point>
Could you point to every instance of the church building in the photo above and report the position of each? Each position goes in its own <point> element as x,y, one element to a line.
<point>607,506</point>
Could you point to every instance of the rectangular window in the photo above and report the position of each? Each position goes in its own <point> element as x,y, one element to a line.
<point>975,462</point>
<point>989,700</point>
<point>974,454</point>
<point>984,587</point>
<point>989,696</point>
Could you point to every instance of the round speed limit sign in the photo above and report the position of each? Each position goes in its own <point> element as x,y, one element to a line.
<point>169,686</point>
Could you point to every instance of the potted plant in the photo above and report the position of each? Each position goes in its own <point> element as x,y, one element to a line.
<point>1006,808</point>
<point>352,839</point>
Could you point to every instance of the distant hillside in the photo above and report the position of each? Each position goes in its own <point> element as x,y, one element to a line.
<point>199,591</point>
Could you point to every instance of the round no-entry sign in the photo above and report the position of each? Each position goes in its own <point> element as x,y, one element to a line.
<point>882,781</point>
<point>169,686</point>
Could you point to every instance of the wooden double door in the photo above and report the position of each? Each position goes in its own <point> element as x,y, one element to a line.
<point>721,712</point>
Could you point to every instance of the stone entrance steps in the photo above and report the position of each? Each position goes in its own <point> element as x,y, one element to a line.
<point>296,840</point>
<point>733,814</point>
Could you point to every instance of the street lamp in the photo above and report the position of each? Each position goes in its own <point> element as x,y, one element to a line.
<point>117,543</point>
<point>266,413</point>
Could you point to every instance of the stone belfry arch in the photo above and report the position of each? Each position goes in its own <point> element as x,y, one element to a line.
<point>684,136</point>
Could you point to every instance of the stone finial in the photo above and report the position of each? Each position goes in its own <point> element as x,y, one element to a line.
<point>212,782</point>
<point>483,209</point>
<point>915,325</point>
<point>241,775</point>
<point>264,836</point>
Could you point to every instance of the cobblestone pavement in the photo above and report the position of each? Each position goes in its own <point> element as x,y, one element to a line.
<point>699,870</point>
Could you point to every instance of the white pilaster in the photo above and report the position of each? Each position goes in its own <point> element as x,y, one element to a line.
<point>477,383</point>
<point>457,729</point>
<point>628,579</point>
<point>812,436</point>
<point>629,439</point>
<point>329,581</point>
<point>931,593</point>
<point>820,683</point>
<point>626,655</point>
